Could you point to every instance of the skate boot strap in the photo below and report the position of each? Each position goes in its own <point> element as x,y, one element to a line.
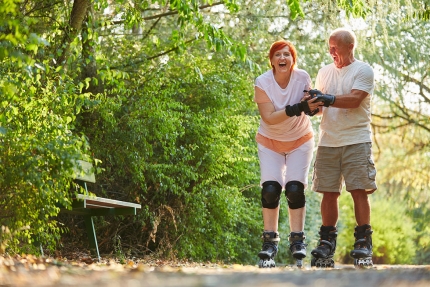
<point>361,231</point>
<point>295,243</point>
<point>299,244</point>
<point>361,242</point>
<point>297,236</point>
<point>331,245</point>
<point>266,237</point>
<point>362,234</point>
<point>271,239</point>
<point>269,245</point>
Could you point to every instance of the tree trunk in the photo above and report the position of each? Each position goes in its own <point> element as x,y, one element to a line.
<point>89,68</point>
<point>77,17</point>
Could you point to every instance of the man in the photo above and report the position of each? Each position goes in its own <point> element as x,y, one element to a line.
<point>344,154</point>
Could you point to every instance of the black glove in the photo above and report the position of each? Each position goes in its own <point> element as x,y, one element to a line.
<point>313,94</point>
<point>327,99</point>
<point>313,113</point>
<point>297,109</point>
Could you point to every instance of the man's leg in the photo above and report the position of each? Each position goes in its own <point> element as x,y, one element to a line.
<point>324,252</point>
<point>361,206</point>
<point>362,252</point>
<point>330,208</point>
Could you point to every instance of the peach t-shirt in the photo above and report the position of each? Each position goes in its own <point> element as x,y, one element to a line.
<point>294,131</point>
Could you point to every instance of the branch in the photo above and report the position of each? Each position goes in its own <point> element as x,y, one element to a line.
<point>412,121</point>
<point>151,57</point>
<point>408,78</point>
<point>165,14</point>
<point>151,28</point>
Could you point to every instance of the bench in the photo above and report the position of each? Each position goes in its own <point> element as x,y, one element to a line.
<point>89,206</point>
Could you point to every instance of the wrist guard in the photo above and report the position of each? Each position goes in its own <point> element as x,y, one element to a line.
<point>327,99</point>
<point>297,109</point>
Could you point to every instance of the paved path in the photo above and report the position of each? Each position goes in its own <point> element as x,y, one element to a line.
<point>211,276</point>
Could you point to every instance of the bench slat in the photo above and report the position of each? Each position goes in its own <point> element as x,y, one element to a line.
<point>101,212</point>
<point>100,202</point>
<point>89,206</point>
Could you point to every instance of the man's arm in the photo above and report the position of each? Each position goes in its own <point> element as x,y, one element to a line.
<point>351,100</point>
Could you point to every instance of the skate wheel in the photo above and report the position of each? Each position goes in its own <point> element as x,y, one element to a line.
<point>322,262</point>
<point>363,263</point>
<point>313,264</point>
<point>299,263</point>
<point>266,263</point>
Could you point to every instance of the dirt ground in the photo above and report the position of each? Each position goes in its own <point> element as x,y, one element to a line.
<point>31,271</point>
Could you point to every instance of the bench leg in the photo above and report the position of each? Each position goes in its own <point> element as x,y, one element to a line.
<point>89,224</point>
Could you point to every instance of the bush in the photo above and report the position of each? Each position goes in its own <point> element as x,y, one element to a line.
<point>393,230</point>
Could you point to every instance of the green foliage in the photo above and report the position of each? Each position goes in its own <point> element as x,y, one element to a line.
<point>421,218</point>
<point>160,93</point>
<point>393,230</point>
<point>356,8</point>
<point>37,151</point>
<point>184,145</point>
<point>295,9</point>
<point>38,108</point>
<point>401,117</point>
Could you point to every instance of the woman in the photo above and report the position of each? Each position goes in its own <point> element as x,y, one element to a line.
<point>285,147</point>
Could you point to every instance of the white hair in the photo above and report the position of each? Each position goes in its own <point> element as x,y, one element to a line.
<point>347,36</point>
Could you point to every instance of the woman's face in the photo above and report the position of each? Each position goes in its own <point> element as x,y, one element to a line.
<point>282,60</point>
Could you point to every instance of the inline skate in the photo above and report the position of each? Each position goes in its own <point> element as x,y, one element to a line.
<point>298,247</point>
<point>362,252</point>
<point>269,249</point>
<point>324,252</point>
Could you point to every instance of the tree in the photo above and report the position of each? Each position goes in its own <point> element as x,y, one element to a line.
<point>159,95</point>
<point>37,148</point>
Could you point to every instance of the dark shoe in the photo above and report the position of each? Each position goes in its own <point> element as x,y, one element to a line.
<point>327,243</point>
<point>270,245</point>
<point>363,242</point>
<point>297,244</point>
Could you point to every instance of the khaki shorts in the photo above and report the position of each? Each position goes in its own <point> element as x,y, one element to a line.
<point>352,165</point>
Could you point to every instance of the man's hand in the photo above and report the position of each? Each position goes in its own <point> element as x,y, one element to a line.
<point>312,113</point>
<point>311,94</point>
<point>326,99</point>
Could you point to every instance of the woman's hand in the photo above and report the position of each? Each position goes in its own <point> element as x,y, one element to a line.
<point>312,103</point>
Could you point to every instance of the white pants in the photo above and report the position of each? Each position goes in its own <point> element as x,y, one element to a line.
<point>286,167</point>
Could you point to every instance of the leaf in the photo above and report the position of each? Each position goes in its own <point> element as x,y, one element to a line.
<point>295,9</point>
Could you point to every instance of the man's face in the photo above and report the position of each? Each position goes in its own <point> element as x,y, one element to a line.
<point>340,52</point>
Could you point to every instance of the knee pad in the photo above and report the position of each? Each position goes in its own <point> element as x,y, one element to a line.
<point>295,193</point>
<point>271,194</point>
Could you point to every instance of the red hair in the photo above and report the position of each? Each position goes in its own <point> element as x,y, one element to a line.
<point>278,45</point>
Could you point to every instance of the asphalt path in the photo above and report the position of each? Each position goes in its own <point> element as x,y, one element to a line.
<point>210,276</point>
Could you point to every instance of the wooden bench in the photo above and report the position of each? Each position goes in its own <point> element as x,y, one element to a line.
<point>89,206</point>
